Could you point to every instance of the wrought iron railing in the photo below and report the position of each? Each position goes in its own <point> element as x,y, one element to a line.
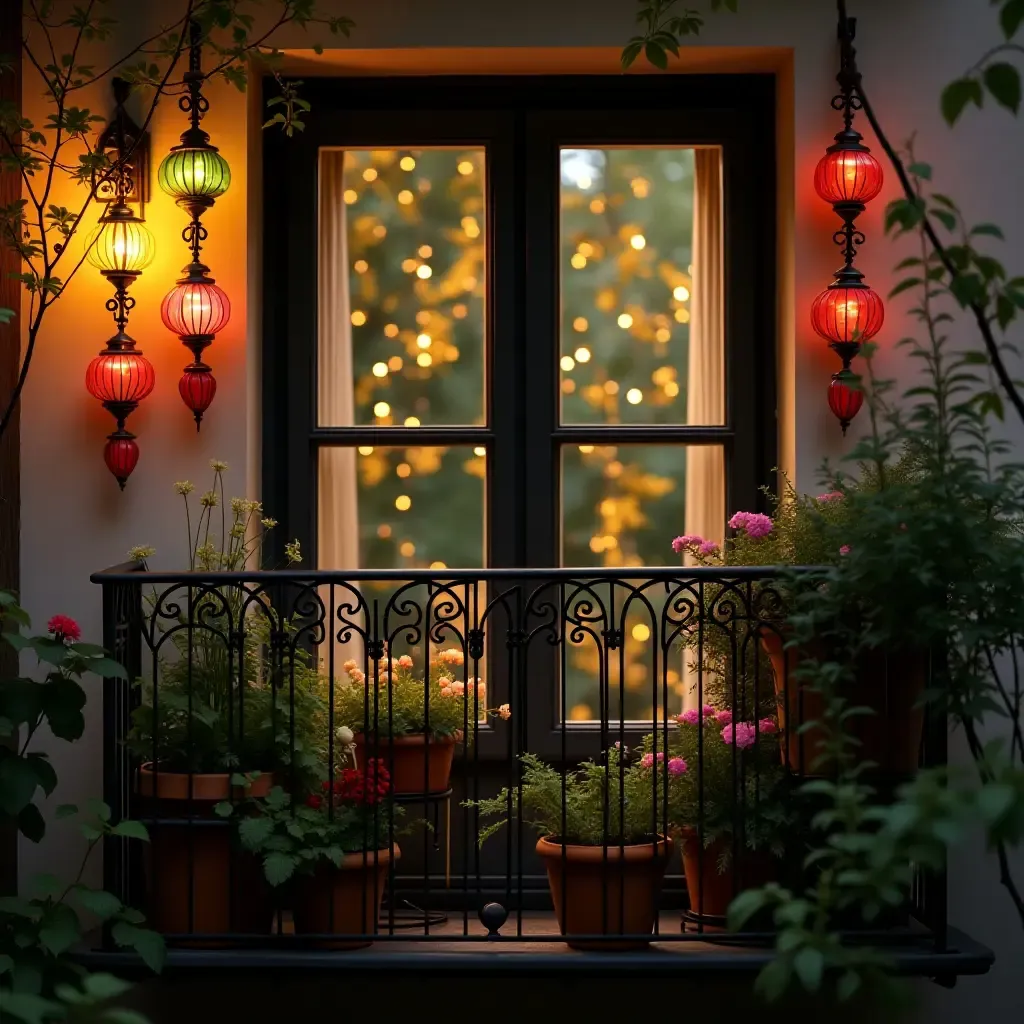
<point>254,696</point>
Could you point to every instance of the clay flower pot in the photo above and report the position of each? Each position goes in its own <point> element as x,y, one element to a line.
<point>711,891</point>
<point>343,900</point>
<point>891,685</point>
<point>196,882</point>
<point>598,892</point>
<point>419,764</point>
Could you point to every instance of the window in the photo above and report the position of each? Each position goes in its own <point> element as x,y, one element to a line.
<point>521,323</point>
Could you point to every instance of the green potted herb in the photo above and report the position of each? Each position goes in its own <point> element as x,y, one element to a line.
<point>215,714</point>
<point>333,851</point>
<point>412,723</point>
<point>727,794</point>
<point>602,841</point>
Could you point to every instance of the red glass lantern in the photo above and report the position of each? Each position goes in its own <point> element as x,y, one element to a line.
<point>844,314</point>
<point>120,377</point>
<point>848,175</point>
<point>197,388</point>
<point>121,454</point>
<point>844,398</point>
<point>195,309</point>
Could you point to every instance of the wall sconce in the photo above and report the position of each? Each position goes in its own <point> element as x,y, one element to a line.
<point>121,247</point>
<point>847,313</point>
<point>195,175</point>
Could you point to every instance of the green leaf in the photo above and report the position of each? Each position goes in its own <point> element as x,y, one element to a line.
<point>773,979</point>
<point>107,668</point>
<point>103,986</point>
<point>31,824</point>
<point>47,777</point>
<point>919,170</point>
<point>30,1008</point>
<point>994,800</point>
<point>905,285</point>
<point>847,985</point>
<point>65,811</point>
<point>131,830</point>
<point>6,963</point>
<point>278,867</point>
<point>957,95</point>
<point>656,55</point>
<point>988,229</point>
<point>1011,16</point>
<point>809,964</point>
<point>60,929</point>
<point>1003,81</point>
<point>97,901</point>
<point>63,700</point>
<point>1005,311</point>
<point>46,885</point>
<point>744,907</point>
<point>253,832</point>
<point>148,944</point>
<point>122,1015</point>
<point>945,218</point>
<point>18,783</point>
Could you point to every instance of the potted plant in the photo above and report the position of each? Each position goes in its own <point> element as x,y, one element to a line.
<point>727,802</point>
<point>333,850</point>
<point>603,844</point>
<point>811,531</point>
<point>412,720</point>
<point>213,725</point>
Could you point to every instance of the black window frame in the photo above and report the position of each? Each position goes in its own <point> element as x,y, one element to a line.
<point>522,121</point>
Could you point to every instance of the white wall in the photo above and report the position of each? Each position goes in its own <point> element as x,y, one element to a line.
<point>74,520</point>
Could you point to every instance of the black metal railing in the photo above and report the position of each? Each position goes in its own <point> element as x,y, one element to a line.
<point>349,737</point>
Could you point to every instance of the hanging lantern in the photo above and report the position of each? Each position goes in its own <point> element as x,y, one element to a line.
<point>197,388</point>
<point>847,313</point>
<point>195,174</point>
<point>844,397</point>
<point>848,173</point>
<point>196,307</point>
<point>120,247</point>
<point>121,454</point>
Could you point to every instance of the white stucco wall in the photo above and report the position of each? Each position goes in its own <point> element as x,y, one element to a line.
<point>75,521</point>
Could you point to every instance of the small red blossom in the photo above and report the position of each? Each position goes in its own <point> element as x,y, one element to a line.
<point>314,801</point>
<point>64,628</point>
<point>362,786</point>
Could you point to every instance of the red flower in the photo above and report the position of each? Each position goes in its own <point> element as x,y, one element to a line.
<point>64,628</point>
<point>313,801</point>
<point>368,786</point>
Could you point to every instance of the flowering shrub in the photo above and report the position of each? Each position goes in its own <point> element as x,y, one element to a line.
<point>611,802</point>
<point>724,771</point>
<point>352,813</point>
<point>396,700</point>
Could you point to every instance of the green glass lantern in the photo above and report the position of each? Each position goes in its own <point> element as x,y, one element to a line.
<point>190,173</point>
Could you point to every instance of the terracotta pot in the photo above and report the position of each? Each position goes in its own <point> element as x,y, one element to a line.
<point>599,893</point>
<point>890,684</point>
<point>352,893</point>
<point>194,864</point>
<point>403,756</point>
<point>711,891</point>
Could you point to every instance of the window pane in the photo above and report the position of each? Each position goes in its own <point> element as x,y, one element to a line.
<point>621,506</point>
<point>627,282</point>
<point>401,290</point>
<point>401,508</point>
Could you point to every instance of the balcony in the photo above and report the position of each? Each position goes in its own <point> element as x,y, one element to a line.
<point>386,771</point>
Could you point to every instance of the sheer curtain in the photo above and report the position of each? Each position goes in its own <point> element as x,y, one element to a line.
<point>705,403</point>
<point>337,508</point>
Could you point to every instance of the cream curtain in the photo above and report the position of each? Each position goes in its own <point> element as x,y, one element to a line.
<point>705,404</point>
<point>337,509</point>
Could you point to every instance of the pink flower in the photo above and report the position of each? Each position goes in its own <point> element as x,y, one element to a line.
<point>845,549</point>
<point>709,547</point>
<point>831,496</point>
<point>709,711</point>
<point>723,717</point>
<point>758,525</point>
<point>446,691</point>
<point>676,766</point>
<point>505,712</point>
<point>458,688</point>
<point>690,717</point>
<point>742,734</point>
<point>405,661</point>
<point>64,628</point>
<point>768,726</point>
<point>688,540</point>
<point>444,681</point>
<point>356,675</point>
<point>648,759</point>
